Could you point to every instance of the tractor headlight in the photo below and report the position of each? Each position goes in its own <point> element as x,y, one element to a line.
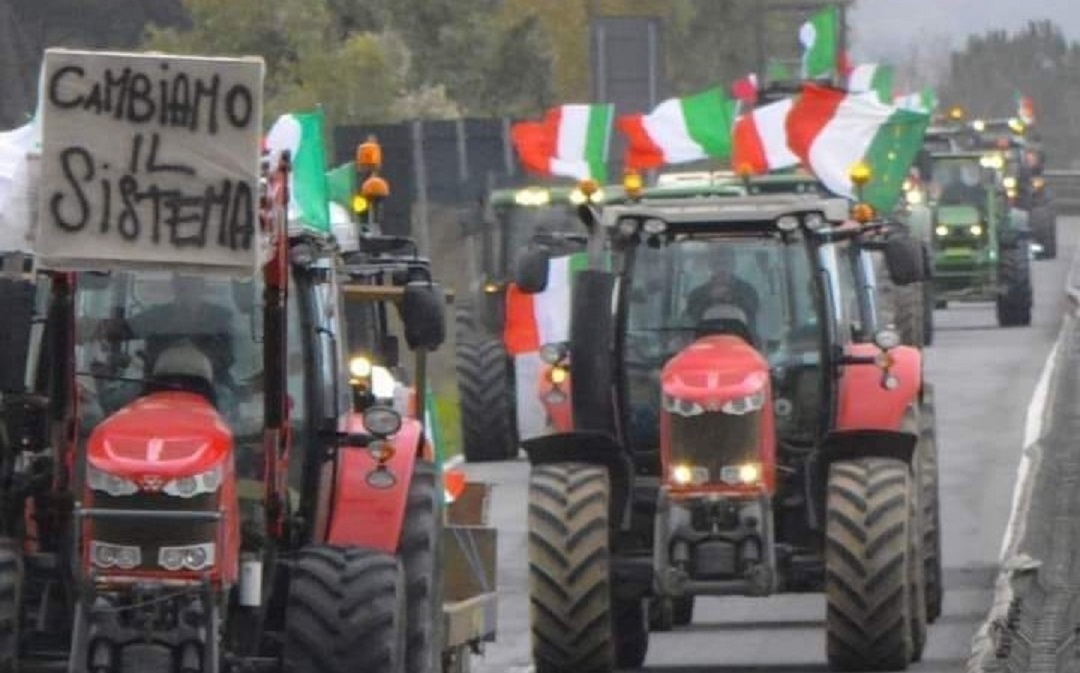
<point>360,367</point>
<point>1009,182</point>
<point>558,375</point>
<point>654,227</point>
<point>814,221</point>
<point>745,474</point>
<point>942,230</point>
<point>887,339</point>
<point>555,396</point>
<point>116,486</point>
<point>553,353</point>
<point>682,407</point>
<point>787,223</point>
<point>189,487</point>
<point>741,406</point>
<point>106,555</point>
<point>382,421</point>
<point>914,197</point>
<point>191,557</point>
<point>689,475</point>
<point>976,230</point>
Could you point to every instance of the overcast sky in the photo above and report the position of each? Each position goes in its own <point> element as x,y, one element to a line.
<point>887,28</point>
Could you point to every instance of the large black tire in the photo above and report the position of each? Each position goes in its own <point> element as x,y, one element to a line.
<point>419,551</point>
<point>346,612</point>
<point>930,499</point>
<point>488,431</point>
<point>1014,278</point>
<point>684,610</point>
<point>869,564</point>
<point>10,592</point>
<point>631,633</point>
<point>572,615</point>
<point>661,614</point>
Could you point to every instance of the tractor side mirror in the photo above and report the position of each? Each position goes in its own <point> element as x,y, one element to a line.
<point>532,271</point>
<point>423,312</point>
<point>904,260</point>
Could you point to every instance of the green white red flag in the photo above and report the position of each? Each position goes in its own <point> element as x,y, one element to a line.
<point>302,135</point>
<point>924,101</point>
<point>760,139</point>
<point>820,39</point>
<point>831,131</point>
<point>874,77</point>
<point>680,130</point>
<point>533,320</point>
<point>571,141</point>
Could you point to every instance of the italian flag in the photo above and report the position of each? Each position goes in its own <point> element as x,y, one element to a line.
<point>680,130</point>
<point>533,320</point>
<point>820,37</point>
<point>760,139</point>
<point>571,141</point>
<point>302,135</point>
<point>832,131</point>
<point>924,101</point>
<point>872,77</point>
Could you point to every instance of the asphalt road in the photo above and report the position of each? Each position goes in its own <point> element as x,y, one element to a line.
<point>985,378</point>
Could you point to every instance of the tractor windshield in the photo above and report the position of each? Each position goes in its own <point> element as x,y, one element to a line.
<point>958,181</point>
<point>135,328</point>
<point>761,289</point>
<point>520,223</point>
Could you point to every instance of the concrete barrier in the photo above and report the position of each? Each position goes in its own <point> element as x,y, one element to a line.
<point>1032,626</point>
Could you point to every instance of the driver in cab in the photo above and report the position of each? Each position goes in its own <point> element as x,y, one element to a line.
<point>188,318</point>
<point>723,288</point>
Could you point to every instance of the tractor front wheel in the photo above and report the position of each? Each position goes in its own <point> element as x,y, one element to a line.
<point>871,568</point>
<point>572,613</point>
<point>1014,279</point>
<point>418,550</point>
<point>346,612</point>
<point>10,590</point>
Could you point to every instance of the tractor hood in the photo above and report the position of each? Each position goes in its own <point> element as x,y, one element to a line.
<point>160,437</point>
<point>715,370</point>
<point>957,216</point>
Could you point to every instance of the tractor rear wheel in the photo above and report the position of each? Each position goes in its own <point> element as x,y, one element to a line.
<point>346,612</point>
<point>487,411</point>
<point>870,581</point>
<point>684,610</point>
<point>572,614</point>
<point>418,549</point>
<point>1014,280</point>
<point>10,591</point>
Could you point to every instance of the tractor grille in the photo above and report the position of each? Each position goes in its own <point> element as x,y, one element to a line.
<point>714,440</point>
<point>150,534</point>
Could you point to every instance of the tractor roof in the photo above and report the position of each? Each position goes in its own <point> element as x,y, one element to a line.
<point>735,214</point>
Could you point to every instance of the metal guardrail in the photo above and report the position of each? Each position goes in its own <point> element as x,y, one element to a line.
<point>1065,188</point>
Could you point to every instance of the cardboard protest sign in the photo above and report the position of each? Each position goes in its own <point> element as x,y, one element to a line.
<point>149,160</point>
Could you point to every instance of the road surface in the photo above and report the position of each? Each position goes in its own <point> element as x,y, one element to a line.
<point>985,379</point>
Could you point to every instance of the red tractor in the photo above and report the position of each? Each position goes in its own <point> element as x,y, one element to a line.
<point>189,486</point>
<point>742,426</point>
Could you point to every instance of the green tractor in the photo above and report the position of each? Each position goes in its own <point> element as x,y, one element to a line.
<point>981,242</point>
<point>512,221</point>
